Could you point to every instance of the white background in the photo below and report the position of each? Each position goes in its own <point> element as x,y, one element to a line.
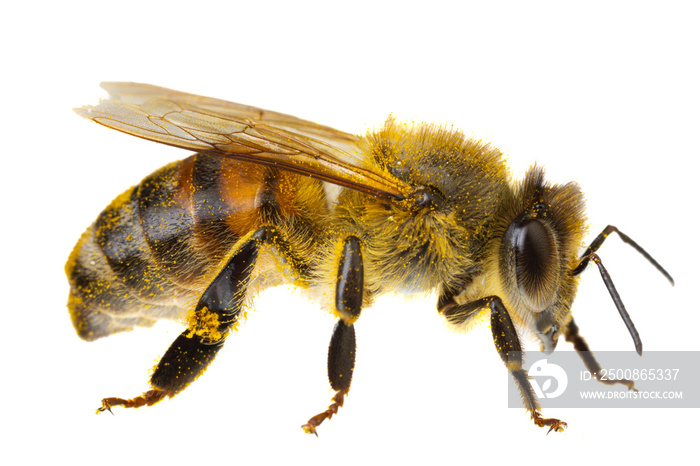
<point>603,93</point>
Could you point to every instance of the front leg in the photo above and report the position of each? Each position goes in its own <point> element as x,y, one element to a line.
<point>507,343</point>
<point>341,351</point>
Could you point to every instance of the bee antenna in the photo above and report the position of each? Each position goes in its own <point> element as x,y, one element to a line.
<point>599,241</point>
<point>646,255</point>
<point>590,255</point>
<point>618,302</point>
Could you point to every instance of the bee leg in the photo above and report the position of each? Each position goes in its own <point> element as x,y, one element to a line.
<point>459,315</point>
<point>341,351</point>
<point>213,318</point>
<point>572,336</point>
<point>508,346</point>
<point>341,363</point>
<point>448,294</point>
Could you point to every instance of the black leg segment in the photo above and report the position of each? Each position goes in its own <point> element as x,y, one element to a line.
<point>212,319</point>
<point>507,342</point>
<point>341,351</point>
<point>348,289</point>
<point>216,312</point>
<point>341,356</point>
<point>460,314</point>
<point>572,336</point>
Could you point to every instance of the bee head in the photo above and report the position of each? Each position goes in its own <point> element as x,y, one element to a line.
<point>543,227</point>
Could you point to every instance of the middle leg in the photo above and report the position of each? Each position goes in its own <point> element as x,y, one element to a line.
<point>341,351</point>
<point>572,336</point>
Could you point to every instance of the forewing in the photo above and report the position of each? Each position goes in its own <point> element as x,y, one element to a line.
<point>138,93</point>
<point>217,127</point>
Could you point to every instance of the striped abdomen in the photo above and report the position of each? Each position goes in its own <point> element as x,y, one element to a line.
<point>151,252</point>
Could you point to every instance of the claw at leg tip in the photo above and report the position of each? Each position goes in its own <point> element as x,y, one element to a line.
<point>104,408</point>
<point>309,429</point>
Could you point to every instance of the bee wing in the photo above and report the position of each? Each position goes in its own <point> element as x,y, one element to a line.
<point>228,129</point>
<point>138,93</point>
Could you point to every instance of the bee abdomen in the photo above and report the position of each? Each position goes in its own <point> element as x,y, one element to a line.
<point>173,230</point>
<point>150,253</point>
<point>221,202</point>
<point>99,303</point>
<point>167,221</point>
<point>119,234</point>
<point>136,263</point>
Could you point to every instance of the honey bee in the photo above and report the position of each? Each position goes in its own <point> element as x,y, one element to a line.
<point>270,198</point>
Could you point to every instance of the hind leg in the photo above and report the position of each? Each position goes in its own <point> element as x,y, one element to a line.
<point>213,318</point>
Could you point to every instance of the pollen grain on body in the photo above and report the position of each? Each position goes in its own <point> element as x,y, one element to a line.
<point>205,324</point>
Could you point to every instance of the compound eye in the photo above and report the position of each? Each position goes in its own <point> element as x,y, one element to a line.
<point>536,258</point>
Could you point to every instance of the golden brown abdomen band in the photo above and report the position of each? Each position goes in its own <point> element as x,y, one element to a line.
<point>152,250</point>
